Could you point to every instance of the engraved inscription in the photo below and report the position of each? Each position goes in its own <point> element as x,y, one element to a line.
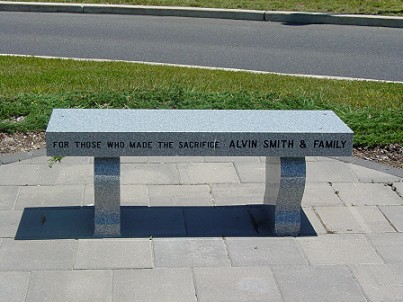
<point>198,145</point>
<point>278,144</point>
<point>264,145</point>
<point>242,144</point>
<point>141,145</point>
<point>88,145</point>
<point>328,144</point>
<point>116,145</point>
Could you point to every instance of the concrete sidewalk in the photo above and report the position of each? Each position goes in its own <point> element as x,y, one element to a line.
<point>180,247</point>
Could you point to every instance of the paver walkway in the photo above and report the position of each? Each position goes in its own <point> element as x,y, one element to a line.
<point>188,235</point>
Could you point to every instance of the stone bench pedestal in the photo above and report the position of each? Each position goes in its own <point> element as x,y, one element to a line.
<point>107,196</point>
<point>285,180</point>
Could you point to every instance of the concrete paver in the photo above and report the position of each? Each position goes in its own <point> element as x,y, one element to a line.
<point>354,219</point>
<point>238,194</point>
<point>319,283</point>
<point>23,174</point>
<point>13,286</point>
<point>399,188</point>
<point>226,159</point>
<point>113,254</point>
<point>149,174</point>
<point>236,284</point>
<point>389,246</point>
<point>202,173</point>
<point>8,196</point>
<point>313,222</point>
<point>253,172</point>
<point>21,255</point>
<point>49,196</point>
<point>334,172</point>
<point>74,174</point>
<point>320,194</point>
<point>157,285</point>
<point>70,286</point>
<point>366,175</point>
<point>183,252</point>
<point>9,222</point>
<point>365,194</point>
<point>180,195</point>
<point>395,215</point>
<point>339,249</point>
<point>130,195</point>
<point>380,282</point>
<point>250,252</point>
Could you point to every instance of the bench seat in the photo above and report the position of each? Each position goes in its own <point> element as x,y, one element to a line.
<point>285,137</point>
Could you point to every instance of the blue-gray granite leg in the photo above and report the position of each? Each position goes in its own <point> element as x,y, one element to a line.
<point>285,185</point>
<point>107,196</point>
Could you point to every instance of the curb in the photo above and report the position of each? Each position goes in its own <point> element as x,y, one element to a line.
<point>234,14</point>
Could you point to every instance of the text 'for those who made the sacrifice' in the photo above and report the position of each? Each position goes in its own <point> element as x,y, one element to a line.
<point>230,144</point>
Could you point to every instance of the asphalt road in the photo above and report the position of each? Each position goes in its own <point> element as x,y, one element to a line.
<point>347,51</point>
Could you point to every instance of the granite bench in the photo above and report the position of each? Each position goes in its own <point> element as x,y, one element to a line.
<point>284,137</point>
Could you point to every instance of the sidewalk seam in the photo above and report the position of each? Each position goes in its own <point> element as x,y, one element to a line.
<point>286,17</point>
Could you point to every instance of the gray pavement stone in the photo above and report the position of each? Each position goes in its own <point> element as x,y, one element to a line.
<point>149,174</point>
<point>324,158</point>
<point>113,254</point>
<point>314,222</point>
<point>156,285</point>
<point>264,252</point>
<point>320,194</point>
<point>75,174</point>
<point>226,159</point>
<point>389,246</point>
<point>354,219</point>
<point>130,195</point>
<point>248,172</point>
<point>222,221</point>
<point>236,284</point>
<point>334,172</point>
<point>9,222</point>
<point>133,159</point>
<point>68,160</point>
<point>70,286</point>
<point>203,173</point>
<point>380,282</point>
<point>372,176</point>
<point>8,196</point>
<point>399,188</point>
<point>339,249</point>
<point>49,196</point>
<point>146,222</point>
<point>361,194</point>
<point>180,195</point>
<point>394,215</point>
<point>175,159</point>
<point>238,194</point>
<point>24,174</point>
<point>13,286</point>
<point>184,252</point>
<point>19,255</point>
<point>318,283</point>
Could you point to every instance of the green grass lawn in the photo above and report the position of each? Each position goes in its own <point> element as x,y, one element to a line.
<point>32,87</point>
<point>374,7</point>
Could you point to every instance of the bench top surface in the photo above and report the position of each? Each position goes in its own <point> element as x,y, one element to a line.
<point>197,121</point>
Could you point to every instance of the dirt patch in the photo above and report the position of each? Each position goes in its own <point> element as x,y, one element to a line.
<point>391,155</point>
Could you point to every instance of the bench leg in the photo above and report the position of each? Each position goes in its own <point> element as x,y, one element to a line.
<point>290,174</point>
<point>107,197</point>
